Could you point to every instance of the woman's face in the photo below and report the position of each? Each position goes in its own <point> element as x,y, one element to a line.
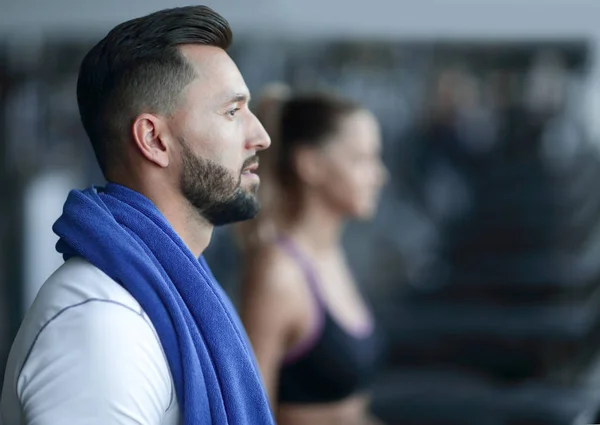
<point>351,171</point>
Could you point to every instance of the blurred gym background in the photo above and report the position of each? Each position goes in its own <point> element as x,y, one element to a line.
<point>483,263</point>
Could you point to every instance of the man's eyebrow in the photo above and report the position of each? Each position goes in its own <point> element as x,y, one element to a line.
<point>238,97</point>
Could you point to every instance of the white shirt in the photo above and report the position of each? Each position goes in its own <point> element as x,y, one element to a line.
<point>87,354</point>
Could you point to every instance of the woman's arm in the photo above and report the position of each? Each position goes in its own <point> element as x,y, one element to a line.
<point>270,310</point>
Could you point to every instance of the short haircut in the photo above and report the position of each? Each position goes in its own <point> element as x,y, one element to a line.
<point>138,68</point>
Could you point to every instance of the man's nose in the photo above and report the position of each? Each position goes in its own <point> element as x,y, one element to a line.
<point>259,138</point>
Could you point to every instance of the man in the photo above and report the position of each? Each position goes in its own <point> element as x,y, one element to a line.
<point>132,329</point>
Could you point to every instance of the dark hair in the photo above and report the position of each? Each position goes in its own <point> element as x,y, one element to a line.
<point>138,68</point>
<point>307,121</point>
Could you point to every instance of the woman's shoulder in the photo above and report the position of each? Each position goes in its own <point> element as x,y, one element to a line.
<point>272,270</point>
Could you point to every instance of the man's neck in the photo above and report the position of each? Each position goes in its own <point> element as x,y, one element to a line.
<point>194,231</point>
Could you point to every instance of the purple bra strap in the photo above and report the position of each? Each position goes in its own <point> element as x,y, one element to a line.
<point>304,264</point>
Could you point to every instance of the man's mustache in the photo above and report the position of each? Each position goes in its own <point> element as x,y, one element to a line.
<point>249,162</point>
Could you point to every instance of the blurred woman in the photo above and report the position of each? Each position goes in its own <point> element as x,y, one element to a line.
<point>314,336</point>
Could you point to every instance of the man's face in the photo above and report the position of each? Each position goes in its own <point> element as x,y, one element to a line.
<point>219,138</point>
<point>214,191</point>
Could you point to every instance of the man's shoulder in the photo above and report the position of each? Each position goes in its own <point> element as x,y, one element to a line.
<point>80,323</point>
<point>85,294</point>
<point>78,281</point>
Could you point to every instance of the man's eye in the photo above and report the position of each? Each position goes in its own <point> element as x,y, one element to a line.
<point>232,112</point>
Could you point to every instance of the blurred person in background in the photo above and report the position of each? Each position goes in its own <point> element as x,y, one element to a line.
<point>133,328</point>
<point>315,339</point>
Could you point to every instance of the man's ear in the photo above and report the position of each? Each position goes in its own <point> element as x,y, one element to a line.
<point>308,165</point>
<point>149,136</point>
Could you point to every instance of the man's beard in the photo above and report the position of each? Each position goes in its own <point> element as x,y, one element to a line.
<point>215,193</point>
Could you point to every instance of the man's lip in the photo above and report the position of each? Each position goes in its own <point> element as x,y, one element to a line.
<point>250,169</point>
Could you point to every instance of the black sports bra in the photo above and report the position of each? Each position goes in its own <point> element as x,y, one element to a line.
<point>332,363</point>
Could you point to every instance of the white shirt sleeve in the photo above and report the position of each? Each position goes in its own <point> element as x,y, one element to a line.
<point>96,363</point>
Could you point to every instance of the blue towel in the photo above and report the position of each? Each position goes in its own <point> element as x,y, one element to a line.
<point>122,233</point>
